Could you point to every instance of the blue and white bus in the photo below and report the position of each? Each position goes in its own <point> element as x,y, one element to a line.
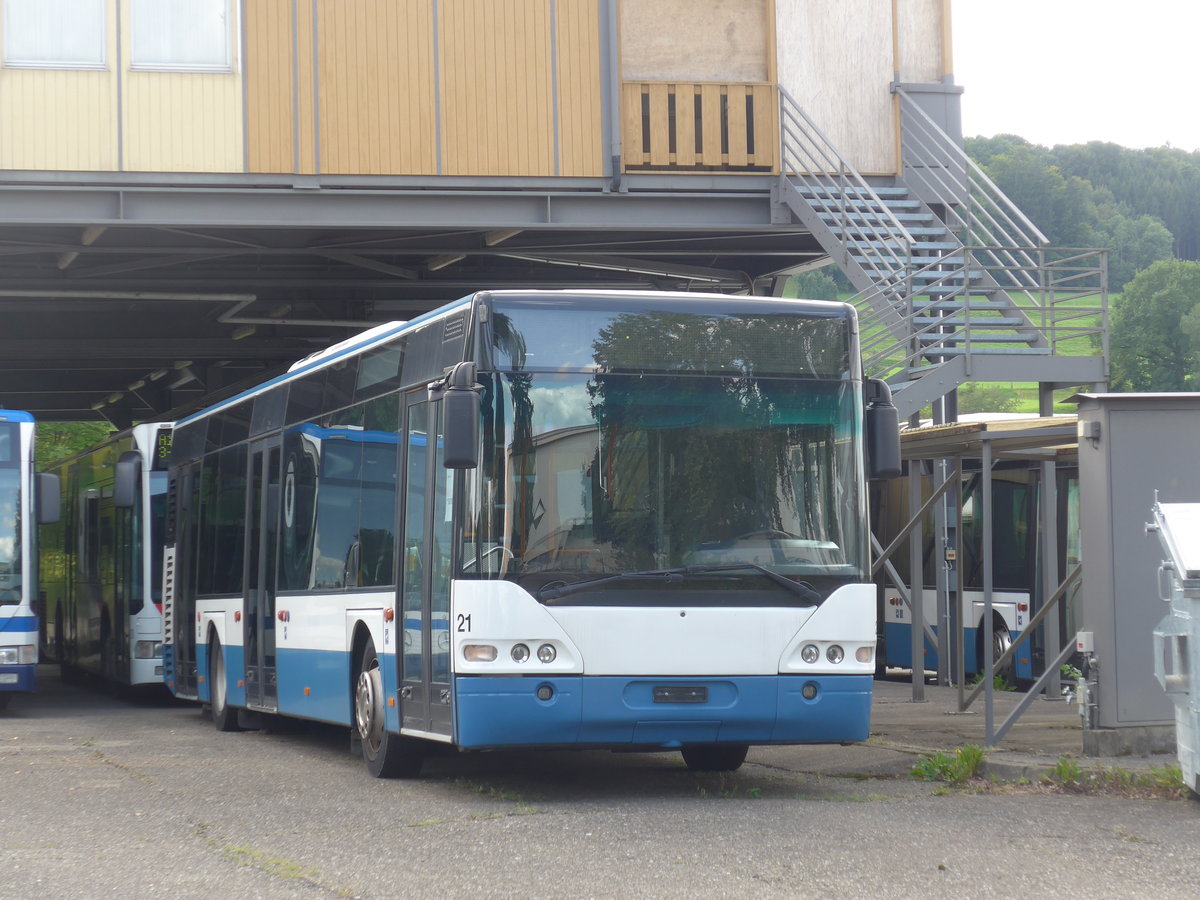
<point>541,519</point>
<point>101,563</point>
<point>21,507</point>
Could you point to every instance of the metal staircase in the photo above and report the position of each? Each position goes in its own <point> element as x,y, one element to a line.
<point>954,283</point>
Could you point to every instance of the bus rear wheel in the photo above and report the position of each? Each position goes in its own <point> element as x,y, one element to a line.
<point>386,755</point>
<point>224,716</point>
<point>715,757</point>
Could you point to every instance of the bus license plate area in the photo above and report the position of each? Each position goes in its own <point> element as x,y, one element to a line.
<point>680,693</point>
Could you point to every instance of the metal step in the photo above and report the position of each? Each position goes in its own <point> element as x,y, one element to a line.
<point>958,305</point>
<point>986,338</point>
<point>975,322</point>
<point>877,216</point>
<point>989,351</point>
<point>898,193</point>
<point>914,232</point>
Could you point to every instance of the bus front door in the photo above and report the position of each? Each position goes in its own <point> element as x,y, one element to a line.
<point>425,574</point>
<point>262,525</point>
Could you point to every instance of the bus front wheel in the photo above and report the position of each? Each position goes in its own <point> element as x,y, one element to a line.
<point>386,755</point>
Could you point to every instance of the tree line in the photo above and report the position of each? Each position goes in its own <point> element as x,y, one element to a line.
<point>1144,207</point>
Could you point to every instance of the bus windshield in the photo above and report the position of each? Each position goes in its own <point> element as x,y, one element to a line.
<point>10,516</point>
<point>711,484</point>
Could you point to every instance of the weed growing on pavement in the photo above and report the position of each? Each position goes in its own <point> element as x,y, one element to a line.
<point>1161,781</point>
<point>999,683</point>
<point>1066,772</point>
<point>955,768</point>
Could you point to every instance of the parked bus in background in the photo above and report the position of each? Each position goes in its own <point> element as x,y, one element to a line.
<point>1017,498</point>
<point>541,519</point>
<point>102,562</point>
<point>23,502</point>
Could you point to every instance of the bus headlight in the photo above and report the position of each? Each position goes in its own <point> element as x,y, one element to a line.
<point>864,654</point>
<point>547,653</point>
<point>835,654</point>
<point>519,653</point>
<point>479,653</point>
<point>21,655</point>
<point>810,654</point>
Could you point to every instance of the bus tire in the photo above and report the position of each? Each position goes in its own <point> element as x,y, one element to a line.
<point>1001,639</point>
<point>224,716</point>
<point>386,755</point>
<point>715,757</point>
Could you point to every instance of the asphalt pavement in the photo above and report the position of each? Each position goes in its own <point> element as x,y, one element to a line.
<point>903,730</point>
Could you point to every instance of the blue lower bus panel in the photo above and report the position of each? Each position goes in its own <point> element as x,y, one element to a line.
<point>18,678</point>
<point>898,641</point>
<point>605,711</point>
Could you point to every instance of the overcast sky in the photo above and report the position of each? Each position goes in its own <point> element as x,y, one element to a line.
<point>1072,71</point>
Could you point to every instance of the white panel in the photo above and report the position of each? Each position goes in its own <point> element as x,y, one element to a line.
<point>835,57</point>
<point>639,641</point>
<point>321,621</point>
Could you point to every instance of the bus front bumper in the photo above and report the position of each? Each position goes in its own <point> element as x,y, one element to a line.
<point>660,713</point>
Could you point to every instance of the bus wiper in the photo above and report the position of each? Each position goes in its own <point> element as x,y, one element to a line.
<point>802,588</point>
<point>547,592</point>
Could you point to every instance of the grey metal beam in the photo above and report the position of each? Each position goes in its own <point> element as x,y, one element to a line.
<point>266,208</point>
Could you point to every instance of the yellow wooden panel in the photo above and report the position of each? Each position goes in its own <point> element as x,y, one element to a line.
<point>580,114</point>
<point>631,118</point>
<point>376,97</point>
<point>710,115</point>
<point>660,125</point>
<point>270,116</point>
<point>58,120</point>
<point>306,93</point>
<point>685,124</point>
<point>494,70</point>
<point>766,129</point>
<point>735,96</point>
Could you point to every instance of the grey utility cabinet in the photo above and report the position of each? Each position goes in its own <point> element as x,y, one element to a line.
<point>1130,446</point>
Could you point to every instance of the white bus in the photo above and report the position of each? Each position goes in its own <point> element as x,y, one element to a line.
<point>541,519</point>
<point>23,502</point>
<point>102,562</point>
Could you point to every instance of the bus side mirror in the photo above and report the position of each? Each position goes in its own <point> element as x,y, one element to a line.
<point>49,498</point>
<point>460,416</point>
<point>125,482</point>
<point>882,421</point>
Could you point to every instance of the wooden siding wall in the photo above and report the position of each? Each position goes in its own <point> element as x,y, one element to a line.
<point>495,69</point>
<point>376,96</point>
<point>385,99</point>
<point>580,112</point>
<point>466,87</point>
<point>270,111</point>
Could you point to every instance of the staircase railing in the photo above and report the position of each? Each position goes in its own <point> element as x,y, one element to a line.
<point>985,219</point>
<point>1057,305</point>
<point>813,164</point>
